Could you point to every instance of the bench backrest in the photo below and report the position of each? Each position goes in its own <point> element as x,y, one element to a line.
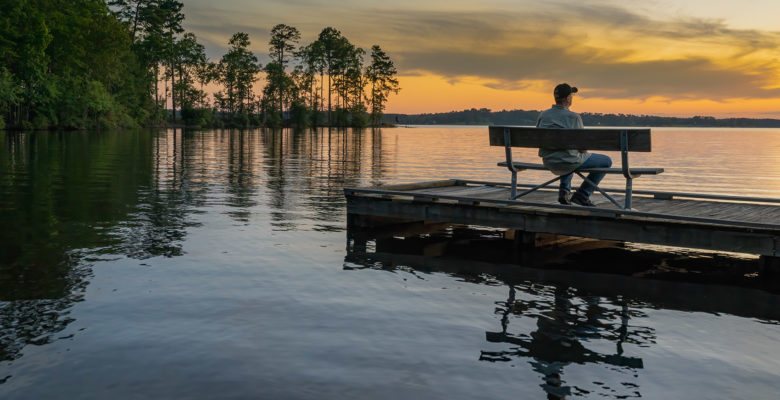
<point>584,139</point>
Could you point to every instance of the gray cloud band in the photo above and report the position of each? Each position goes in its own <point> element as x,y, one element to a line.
<point>675,79</point>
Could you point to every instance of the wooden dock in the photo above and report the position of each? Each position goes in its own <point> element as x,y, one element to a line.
<point>722,223</point>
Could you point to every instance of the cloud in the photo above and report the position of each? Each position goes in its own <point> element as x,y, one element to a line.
<point>609,50</point>
<point>640,67</point>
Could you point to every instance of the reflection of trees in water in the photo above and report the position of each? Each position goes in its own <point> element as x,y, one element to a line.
<point>377,157</point>
<point>37,320</point>
<point>71,197</point>
<point>343,153</point>
<point>275,159</point>
<point>307,170</point>
<point>241,180</point>
<point>68,198</point>
<point>65,191</point>
<point>157,227</point>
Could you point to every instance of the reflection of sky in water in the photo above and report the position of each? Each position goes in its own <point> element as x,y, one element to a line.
<point>212,264</point>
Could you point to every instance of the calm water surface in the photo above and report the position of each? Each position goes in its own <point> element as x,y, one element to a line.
<point>215,265</point>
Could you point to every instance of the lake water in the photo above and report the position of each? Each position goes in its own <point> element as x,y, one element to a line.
<point>202,265</point>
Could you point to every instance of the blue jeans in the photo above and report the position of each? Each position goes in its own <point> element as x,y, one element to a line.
<point>586,189</point>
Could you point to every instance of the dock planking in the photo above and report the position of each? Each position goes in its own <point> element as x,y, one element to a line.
<point>663,218</point>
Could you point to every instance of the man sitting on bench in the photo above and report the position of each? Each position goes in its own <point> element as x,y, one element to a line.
<point>565,162</point>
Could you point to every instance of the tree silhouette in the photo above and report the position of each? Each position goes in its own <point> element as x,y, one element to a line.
<point>283,38</point>
<point>172,19</point>
<point>330,39</point>
<point>381,73</point>
<point>237,71</point>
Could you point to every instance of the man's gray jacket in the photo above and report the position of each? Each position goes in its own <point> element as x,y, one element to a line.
<point>561,162</point>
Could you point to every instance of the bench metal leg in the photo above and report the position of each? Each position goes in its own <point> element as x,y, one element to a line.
<point>628,193</point>
<point>532,189</point>
<point>603,193</point>
<point>514,186</point>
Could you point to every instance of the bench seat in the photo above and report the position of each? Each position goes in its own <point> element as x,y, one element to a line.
<point>633,171</point>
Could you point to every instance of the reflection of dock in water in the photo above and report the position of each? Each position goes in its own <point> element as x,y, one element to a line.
<point>658,278</point>
<point>560,316</point>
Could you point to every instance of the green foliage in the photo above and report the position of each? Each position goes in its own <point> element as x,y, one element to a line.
<point>240,120</point>
<point>9,90</point>
<point>381,76</point>
<point>333,55</point>
<point>358,116</point>
<point>316,118</point>
<point>329,40</point>
<point>299,114</point>
<point>189,56</point>
<point>273,120</point>
<point>341,117</point>
<point>40,122</point>
<point>58,54</point>
<point>283,39</point>
<point>81,64</point>
<point>198,117</point>
<point>278,86</point>
<point>171,16</point>
<point>236,71</point>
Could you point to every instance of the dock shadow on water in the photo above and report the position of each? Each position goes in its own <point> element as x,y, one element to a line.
<point>575,302</point>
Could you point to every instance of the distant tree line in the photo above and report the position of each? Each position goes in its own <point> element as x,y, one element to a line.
<point>91,63</point>
<point>484,116</point>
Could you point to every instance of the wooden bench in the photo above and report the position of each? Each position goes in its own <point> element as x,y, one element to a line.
<point>623,140</point>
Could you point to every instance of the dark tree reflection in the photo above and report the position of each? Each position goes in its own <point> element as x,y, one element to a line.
<point>73,198</point>
<point>70,199</point>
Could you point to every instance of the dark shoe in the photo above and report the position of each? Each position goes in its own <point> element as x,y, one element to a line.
<point>564,197</point>
<point>582,202</point>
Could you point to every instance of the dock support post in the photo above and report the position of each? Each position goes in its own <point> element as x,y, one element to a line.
<point>355,241</point>
<point>522,239</point>
<point>769,267</point>
<point>523,243</point>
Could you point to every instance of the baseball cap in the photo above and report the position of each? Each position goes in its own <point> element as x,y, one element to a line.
<point>563,91</point>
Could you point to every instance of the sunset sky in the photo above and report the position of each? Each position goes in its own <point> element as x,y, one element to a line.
<point>661,57</point>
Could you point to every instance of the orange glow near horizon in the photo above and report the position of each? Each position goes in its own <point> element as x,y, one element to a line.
<point>436,94</point>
